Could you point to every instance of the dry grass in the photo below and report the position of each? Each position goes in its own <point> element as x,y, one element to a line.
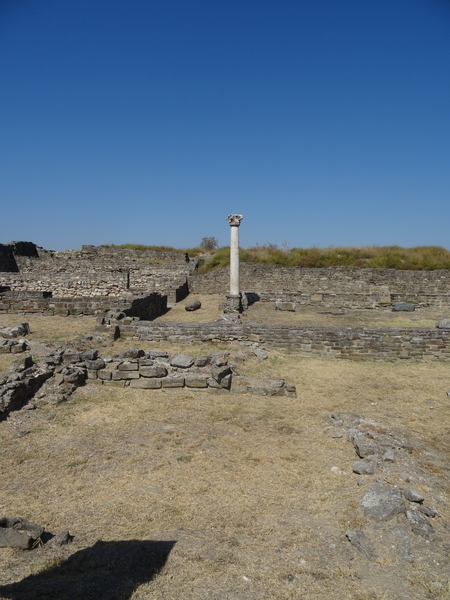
<point>52,328</point>
<point>379,257</point>
<point>242,483</point>
<point>209,310</point>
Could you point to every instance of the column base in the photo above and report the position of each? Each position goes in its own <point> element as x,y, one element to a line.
<point>233,304</point>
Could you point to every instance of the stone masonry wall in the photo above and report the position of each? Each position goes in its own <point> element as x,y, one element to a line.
<point>147,306</point>
<point>331,342</point>
<point>347,287</point>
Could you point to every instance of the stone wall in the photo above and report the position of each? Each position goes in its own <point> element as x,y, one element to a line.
<point>334,287</point>
<point>94,271</point>
<point>7,259</point>
<point>144,306</point>
<point>332,342</point>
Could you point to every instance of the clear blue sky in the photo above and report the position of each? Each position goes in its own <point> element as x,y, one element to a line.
<point>324,122</point>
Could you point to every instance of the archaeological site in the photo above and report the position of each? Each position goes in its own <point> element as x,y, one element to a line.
<point>172,433</point>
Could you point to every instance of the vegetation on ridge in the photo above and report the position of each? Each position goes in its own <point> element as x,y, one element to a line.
<point>378,257</point>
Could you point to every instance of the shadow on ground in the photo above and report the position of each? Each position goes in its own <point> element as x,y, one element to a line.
<point>110,570</point>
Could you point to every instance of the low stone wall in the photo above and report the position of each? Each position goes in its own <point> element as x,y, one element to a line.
<point>331,342</point>
<point>334,287</point>
<point>144,306</point>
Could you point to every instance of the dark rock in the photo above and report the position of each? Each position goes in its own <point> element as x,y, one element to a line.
<point>20,364</point>
<point>95,365</point>
<point>420,526</point>
<point>428,511</point>
<point>22,526</point>
<point>403,306</point>
<point>60,539</point>
<point>156,354</point>
<point>360,541</point>
<point>71,358</point>
<point>219,372</point>
<point>132,353</point>
<point>382,503</point>
<point>89,355</point>
<point>195,305</point>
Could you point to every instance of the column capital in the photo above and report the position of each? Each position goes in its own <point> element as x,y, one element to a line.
<point>234,220</point>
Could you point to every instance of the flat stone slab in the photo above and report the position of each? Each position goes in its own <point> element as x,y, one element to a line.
<point>382,503</point>
<point>404,306</point>
<point>182,361</point>
<point>153,371</point>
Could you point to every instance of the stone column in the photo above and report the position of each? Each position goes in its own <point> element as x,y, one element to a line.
<point>233,302</point>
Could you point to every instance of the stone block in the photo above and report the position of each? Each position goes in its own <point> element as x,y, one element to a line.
<point>182,361</point>
<point>172,382</point>
<point>128,366</point>
<point>92,374</point>
<point>104,374</point>
<point>95,365</point>
<point>316,297</point>
<point>150,383</point>
<point>195,381</point>
<point>124,375</point>
<point>153,371</point>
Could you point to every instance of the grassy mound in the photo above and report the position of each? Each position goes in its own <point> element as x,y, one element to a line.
<point>379,257</point>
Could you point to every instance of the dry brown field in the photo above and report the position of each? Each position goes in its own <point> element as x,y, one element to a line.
<point>231,496</point>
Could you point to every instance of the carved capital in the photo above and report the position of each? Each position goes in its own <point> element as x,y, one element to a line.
<point>234,220</point>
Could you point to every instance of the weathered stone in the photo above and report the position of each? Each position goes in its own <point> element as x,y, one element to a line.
<point>266,386</point>
<point>172,382</point>
<point>153,371</point>
<point>428,511</point>
<point>20,364</point>
<point>60,539</point>
<point>89,355</point>
<point>182,361</point>
<point>443,324</point>
<point>157,354</point>
<point>95,365</point>
<point>363,468</point>
<point>195,381</point>
<point>92,374</point>
<point>151,383</point>
<point>128,366</point>
<point>219,372</point>
<point>104,374</point>
<point>388,456</point>
<point>10,538</point>
<point>17,347</point>
<point>420,526</point>
<point>382,503</point>
<point>124,375</point>
<point>360,541</point>
<point>201,361</point>
<point>71,358</point>
<point>288,306</point>
<point>402,542</point>
<point>15,331</point>
<point>364,448</point>
<point>261,354</point>
<point>403,306</point>
<point>132,353</point>
<point>195,305</point>
<point>413,496</point>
